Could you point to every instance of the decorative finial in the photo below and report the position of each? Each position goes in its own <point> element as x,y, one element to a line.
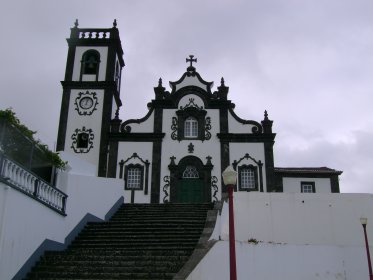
<point>76,23</point>
<point>222,82</point>
<point>115,23</point>
<point>265,115</point>
<point>160,82</point>
<point>191,60</point>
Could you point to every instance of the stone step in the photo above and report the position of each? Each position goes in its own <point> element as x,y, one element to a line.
<point>106,253</point>
<point>99,275</point>
<point>140,241</point>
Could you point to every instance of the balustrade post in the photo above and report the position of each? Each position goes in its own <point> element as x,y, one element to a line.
<point>1,164</point>
<point>36,188</point>
<point>63,207</point>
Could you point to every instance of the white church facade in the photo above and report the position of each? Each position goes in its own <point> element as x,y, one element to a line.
<point>177,152</point>
<point>291,222</point>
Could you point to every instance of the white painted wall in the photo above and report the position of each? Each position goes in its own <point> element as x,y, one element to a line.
<point>237,127</point>
<point>301,236</point>
<point>25,223</point>
<point>146,126</point>
<point>76,121</point>
<point>292,185</point>
<point>77,62</point>
<point>285,262</point>
<point>191,81</point>
<point>185,101</point>
<point>317,219</point>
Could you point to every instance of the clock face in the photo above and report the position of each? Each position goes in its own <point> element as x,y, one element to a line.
<point>86,102</point>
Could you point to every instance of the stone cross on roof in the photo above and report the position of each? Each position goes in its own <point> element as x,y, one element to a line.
<point>191,60</point>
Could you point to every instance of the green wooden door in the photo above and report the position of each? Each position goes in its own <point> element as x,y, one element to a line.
<point>190,190</point>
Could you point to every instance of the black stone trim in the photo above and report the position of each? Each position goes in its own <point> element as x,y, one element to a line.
<point>224,143</point>
<point>166,198</point>
<point>86,111</point>
<point>105,130</point>
<point>61,138</point>
<point>214,187</point>
<point>307,183</point>
<point>245,137</point>
<point>257,128</point>
<point>176,174</point>
<point>334,182</point>
<point>138,137</point>
<point>88,134</point>
<point>174,128</point>
<point>304,175</point>
<point>124,127</point>
<point>156,157</point>
<point>269,165</point>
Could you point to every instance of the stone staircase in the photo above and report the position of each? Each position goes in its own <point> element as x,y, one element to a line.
<point>140,241</point>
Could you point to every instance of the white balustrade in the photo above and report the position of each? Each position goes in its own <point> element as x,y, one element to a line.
<point>21,179</point>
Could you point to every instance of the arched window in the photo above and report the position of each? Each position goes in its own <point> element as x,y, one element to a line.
<point>190,172</point>
<point>190,128</point>
<point>90,62</point>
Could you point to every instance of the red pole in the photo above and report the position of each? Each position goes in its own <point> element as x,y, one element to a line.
<point>232,247</point>
<point>368,254</point>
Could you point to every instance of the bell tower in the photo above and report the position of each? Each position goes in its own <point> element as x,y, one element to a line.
<point>91,93</point>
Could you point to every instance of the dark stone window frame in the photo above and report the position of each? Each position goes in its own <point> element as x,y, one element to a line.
<point>258,167</point>
<point>84,61</point>
<point>123,167</point>
<point>193,112</point>
<point>77,139</point>
<point>176,173</point>
<point>303,183</point>
<point>126,170</point>
<point>245,167</point>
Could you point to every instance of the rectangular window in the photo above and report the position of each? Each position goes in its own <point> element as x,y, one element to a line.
<point>134,178</point>
<point>191,128</point>
<point>307,187</point>
<point>247,178</point>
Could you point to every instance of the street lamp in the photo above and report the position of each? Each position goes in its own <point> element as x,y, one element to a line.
<point>230,179</point>
<point>364,222</point>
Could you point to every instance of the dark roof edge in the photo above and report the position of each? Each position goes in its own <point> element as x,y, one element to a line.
<point>307,170</point>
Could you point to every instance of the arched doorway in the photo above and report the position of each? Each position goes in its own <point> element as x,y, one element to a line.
<point>190,180</point>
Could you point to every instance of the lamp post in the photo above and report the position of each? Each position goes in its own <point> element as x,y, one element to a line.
<point>364,222</point>
<point>230,178</point>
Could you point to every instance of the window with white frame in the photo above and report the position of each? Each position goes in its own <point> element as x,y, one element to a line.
<point>134,177</point>
<point>308,187</point>
<point>190,128</point>
<point>247,178</point>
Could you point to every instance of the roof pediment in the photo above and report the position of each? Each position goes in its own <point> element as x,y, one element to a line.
<point>191,78</point>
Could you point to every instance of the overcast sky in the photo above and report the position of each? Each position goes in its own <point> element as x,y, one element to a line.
<point>309,63</point>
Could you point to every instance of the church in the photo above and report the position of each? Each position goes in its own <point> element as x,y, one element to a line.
<point>178,150</point>
<point>145,199</point>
